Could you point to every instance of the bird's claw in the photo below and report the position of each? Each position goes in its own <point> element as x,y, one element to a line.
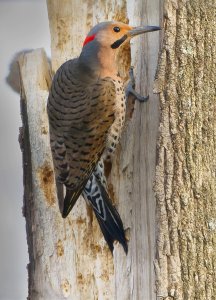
<point>130,88</point>
<point>132,78</point>
<point>138,97</point>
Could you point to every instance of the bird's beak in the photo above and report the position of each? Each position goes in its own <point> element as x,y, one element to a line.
<point>133,32</point>
<point>142,29</point>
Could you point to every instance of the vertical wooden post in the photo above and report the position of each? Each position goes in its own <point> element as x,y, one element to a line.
<point>134,168</point>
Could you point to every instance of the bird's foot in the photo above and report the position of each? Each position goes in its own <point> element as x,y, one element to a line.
<point>130,88</point>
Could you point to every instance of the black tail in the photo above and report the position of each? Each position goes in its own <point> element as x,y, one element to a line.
<point>108,217</point>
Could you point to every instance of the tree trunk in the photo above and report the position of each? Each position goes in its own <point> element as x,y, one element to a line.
<point>69,259</point>
<point>185,175</point>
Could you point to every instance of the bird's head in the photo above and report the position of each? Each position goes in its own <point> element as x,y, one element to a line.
<point>114,34</point>
<point>105,38</point>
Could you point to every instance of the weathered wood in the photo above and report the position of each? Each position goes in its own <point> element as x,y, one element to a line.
<point>59,249</point>
<point>69,258</point>
<point>134,169</point>
<point>185,178</point>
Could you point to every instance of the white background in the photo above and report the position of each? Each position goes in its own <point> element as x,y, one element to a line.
<point>23,25</point>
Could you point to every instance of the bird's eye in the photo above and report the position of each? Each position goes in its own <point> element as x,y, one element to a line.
<point>116,29</point>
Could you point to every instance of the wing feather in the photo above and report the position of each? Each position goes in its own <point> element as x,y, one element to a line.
<point>81,112</point>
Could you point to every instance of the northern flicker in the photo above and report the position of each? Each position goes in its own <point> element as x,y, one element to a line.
<point>86,110</point>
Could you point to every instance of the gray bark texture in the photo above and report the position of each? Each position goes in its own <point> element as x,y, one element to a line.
<point>185,182</point>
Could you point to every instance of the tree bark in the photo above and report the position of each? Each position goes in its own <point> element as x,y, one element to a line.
<point>69,259</point>
<point>185,182</point>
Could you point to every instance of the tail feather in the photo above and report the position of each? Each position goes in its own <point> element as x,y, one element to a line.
<point>69,201</point>
<point>108,217</point>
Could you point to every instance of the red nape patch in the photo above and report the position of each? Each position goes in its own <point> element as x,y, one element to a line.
<point>88,39</point>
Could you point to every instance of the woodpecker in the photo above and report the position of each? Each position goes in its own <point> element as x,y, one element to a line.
<point>86,110</point>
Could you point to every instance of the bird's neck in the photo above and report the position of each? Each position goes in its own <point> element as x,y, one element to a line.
<point>99,61</point>
<point>107,62</point>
